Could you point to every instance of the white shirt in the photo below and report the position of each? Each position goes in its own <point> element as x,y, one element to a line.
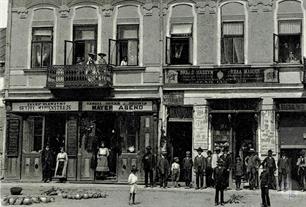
<point>103,151</point>
<point>175,166</point>
<point>132,179</point>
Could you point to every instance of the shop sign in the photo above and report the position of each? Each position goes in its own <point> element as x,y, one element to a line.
<point>174,98</point>
<point>119,106</point>
<point>292,107</point>
<point>45,106</point>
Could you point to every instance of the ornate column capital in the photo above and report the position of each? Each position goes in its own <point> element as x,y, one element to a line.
<point>64,11</point>
<point>148,8</point>
<point>107,10</point>
<point>206,7</point>
<point>22,12</point>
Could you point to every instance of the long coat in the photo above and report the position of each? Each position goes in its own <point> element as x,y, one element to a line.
<point>199,163</point>
<point>220,177</point>
<point>163,166</point>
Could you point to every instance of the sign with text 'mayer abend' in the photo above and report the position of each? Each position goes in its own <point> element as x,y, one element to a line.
<point>123,106</point>
<point>45,106</point>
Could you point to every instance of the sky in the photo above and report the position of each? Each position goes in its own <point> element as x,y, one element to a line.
<point>3,13</point>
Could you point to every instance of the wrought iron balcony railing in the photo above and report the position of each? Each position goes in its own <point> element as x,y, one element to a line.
<point>239,75</point>
<point>79,76</point>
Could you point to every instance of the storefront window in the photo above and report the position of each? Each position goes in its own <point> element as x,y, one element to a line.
<point>38,133</point>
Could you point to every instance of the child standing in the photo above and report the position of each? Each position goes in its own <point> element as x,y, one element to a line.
<point>187,167</point>
<point>238,172</point>
<point>175,171</point>
<point>133,184</point>
<point>264,184</point>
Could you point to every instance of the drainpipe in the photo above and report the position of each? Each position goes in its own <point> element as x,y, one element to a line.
<point>161,46</point>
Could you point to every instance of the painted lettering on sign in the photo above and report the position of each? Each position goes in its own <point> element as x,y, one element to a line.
<point>124,106</point>
<point>45,106</point>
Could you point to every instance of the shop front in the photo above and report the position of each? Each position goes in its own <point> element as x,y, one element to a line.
<point>291,119</point>
<point>125,128</point>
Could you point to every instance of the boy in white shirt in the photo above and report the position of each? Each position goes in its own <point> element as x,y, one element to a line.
<point>175,171</point>
<point>133,184</point>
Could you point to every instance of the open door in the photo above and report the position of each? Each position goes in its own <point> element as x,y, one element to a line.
<point>68,52</point>
<point>112,52</point>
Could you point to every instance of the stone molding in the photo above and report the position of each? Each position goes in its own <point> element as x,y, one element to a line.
<point>107,10</point>
<point>64,11</point>
<point>22,12</point>
<point>206,7</point>
<point>257,5</point>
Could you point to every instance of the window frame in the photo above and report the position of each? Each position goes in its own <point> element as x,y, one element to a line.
<point>121,40</point>
<point>187,36</point>
<point>232,37</point>
<point>41,46</point>
<point>276,40</point>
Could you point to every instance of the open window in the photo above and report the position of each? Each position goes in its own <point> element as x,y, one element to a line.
<point>42,47</point>
<point>179,45</point>
<point>232,43</point>
<point>287,43</point>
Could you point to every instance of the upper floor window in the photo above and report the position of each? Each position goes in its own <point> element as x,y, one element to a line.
<point>287,43</point>
<point>42,46</point>
<point>232,43</point>
<point>127,45</point>
<point>179,45</point>
<point>84,42</point>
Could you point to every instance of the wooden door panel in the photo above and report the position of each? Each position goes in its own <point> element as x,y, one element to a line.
<point>31,165</point>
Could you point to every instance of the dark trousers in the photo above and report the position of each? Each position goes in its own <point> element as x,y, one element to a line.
<point>252,178</point>
<point>163,180</point>
<point>282,177</point>
<point>272,178</point>
<point>265,196</point>
<point>209,179</point>
<point>47,172</point>
<point>238,181</point>
<point>221,192</point>
<point>148,174</point>
<point>227,174</point>
<point>302,178</point>
<point>187,176</point>
<point>199,179</point>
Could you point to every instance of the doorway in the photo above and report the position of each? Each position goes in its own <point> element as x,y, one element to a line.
<point>180,136</point>
<point>293,177</point>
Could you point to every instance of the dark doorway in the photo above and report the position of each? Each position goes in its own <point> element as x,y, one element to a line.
<point>244,125</point>
<point>293,155</point>
<point>180,135</point>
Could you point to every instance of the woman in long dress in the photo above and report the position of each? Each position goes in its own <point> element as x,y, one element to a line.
<point>61,165</point>
<point>102,162</point>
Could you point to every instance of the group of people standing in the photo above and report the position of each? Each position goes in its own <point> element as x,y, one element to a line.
<point>54,165</point>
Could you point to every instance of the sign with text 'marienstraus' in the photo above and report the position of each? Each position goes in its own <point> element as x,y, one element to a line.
<point>123,106</point>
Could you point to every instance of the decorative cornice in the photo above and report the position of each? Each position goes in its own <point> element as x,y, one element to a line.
<point>206,7</point>
<point>23,12</point>
<point>148,8</point>
<point>107,10</point>
<point>64,11</point>
<point>257,5</point>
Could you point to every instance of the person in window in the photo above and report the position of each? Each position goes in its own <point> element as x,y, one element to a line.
<point>91,58</point>
<point>102,160</point>
<point>100,59</point>
<point>124,61</point>
<point>47,161</point>
<point>61,165</point>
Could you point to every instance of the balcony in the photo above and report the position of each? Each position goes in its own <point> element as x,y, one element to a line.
<point>80,77</point>
<point>220,75</point>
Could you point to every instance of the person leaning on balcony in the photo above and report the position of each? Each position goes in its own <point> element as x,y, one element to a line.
<point>100,59</point>
<point>91,58</point>
<point>124,61</point>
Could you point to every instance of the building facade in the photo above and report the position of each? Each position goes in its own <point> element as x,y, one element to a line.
<point>179,75</point>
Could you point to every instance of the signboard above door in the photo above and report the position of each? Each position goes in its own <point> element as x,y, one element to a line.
<point>118,106</point>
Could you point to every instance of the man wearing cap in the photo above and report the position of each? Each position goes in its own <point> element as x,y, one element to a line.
<point>269,162</point>
<point>199,168</point>
<point>187,168</point>
<point>148,166</point>
<point>163,169</point>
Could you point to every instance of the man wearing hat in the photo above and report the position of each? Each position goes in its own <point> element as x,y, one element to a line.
<point>199,168</point>
<point>283,170</point>
<point>187,168</point>
<point>220,182</point>
<point>209,170</point>
<point>91,58</point>
<point>100,58</point>
<point>148,165</point>
<point>227,160</point>
<point>163,169</point>
<point>301,164</point>
<point>269,162</point>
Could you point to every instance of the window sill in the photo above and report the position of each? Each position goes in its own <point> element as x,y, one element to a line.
<point>35,71</point>
<point>128,68</point>
<point>232,66</point>
<point>181,66</point>
<point>288,65</point>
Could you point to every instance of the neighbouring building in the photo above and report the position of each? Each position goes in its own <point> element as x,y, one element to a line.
<point>179,75</point>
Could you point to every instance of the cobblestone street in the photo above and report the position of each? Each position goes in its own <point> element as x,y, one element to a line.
<point>118,196</point>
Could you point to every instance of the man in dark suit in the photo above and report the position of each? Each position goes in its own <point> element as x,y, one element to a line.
<point>269,163</point>
<point>148,165</point>
<point>220,182</point>
<point>47,162</point>
<point>226,158</point>
<point>199,168</point>
<point>163,169</point>
<point>283,170</point>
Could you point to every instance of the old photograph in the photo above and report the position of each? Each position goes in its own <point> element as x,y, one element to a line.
<point>170,103</point>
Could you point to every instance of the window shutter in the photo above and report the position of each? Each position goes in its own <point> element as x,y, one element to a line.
<point>168,50</point>
<point>276,48</point>
<point>289,27</point>
<point>72,134</point>
<point>232,28</point>
<point>13,133</point>
<point>112,52</point>
<point>68,52</point>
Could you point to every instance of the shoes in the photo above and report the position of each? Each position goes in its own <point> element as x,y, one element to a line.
<point>216,204</point>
